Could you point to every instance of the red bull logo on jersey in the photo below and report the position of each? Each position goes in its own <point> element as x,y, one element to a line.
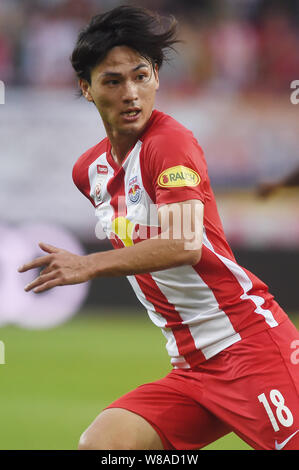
<point>134,191</point>
<point>178,176</point>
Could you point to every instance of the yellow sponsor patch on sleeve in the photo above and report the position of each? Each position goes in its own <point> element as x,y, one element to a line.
<point>178,176</point>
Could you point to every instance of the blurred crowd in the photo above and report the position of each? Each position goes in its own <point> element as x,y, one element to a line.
<point>229,44</point>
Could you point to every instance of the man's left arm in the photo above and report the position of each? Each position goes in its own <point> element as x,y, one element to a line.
<point>178,244</point>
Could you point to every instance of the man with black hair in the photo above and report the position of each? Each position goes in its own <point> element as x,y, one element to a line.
<point>229,341</point>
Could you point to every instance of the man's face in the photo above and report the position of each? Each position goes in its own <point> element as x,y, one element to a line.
<point>123,88</point>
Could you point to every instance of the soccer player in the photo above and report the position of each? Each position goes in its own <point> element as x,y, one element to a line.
<point>232,348</point>
<point>267,189</point>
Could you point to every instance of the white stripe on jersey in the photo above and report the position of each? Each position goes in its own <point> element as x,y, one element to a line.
<point>145,212</point>
<point>196,304</point>
<point>159,320</point>
<point>94,177</point>
<point>103,211</point>
<point>245,282</point>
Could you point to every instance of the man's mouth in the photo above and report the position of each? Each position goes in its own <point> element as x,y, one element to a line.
<point>131,114</point>
<point>132,111</point>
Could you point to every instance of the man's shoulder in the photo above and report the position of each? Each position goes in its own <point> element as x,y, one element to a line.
<point>164,124</point>
<point>166,132</point>
<point>87,158</point>
<point>92,153</point>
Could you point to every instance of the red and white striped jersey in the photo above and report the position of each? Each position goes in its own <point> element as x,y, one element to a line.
<point>200,309</point>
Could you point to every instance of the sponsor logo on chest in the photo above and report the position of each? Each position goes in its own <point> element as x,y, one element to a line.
<point>102,170</point>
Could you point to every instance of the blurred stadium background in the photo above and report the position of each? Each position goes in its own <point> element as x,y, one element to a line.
<point>70,352</point>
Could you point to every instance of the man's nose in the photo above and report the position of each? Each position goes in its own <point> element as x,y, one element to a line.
<point>130,91</point>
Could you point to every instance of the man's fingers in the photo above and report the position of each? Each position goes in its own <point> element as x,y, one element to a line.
<point>42,260</point>
<point>40,281</point>
<point>46,270</point>
<point>46,286</point>
<point>49,248</point>
<point>37,263</point>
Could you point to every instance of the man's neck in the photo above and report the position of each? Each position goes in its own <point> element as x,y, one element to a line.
<point>121,147</point>
<point>121,144</point>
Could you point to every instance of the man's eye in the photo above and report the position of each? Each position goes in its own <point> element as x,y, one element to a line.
<point>141,77</point>
<point>112,82</point>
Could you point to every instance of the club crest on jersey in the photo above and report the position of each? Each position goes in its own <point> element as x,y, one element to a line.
<point>178,176</point>
<point>135,190</point>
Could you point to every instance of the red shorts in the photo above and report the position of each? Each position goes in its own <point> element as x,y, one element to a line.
<point>250,388</point>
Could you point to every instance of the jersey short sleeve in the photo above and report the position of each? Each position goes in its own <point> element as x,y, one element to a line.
<point>81,168</point>
<point>175,165</point>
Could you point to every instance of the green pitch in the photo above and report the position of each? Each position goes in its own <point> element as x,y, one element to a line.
<point>54,382</point>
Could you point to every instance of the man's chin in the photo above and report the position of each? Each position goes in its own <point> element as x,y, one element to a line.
<point>132,128</point>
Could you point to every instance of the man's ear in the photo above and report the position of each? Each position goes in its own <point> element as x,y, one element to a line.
<point>85,88</point>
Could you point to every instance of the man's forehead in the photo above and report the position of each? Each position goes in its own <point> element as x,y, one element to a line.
<point>121,57</point>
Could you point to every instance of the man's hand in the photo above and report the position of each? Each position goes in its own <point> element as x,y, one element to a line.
<point>60,268</point>
<point>178,244</point>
